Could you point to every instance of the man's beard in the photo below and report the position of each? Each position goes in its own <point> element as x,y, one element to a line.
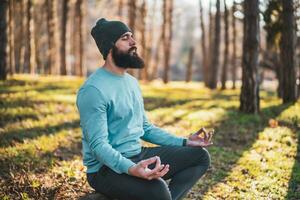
<point>127,60</point>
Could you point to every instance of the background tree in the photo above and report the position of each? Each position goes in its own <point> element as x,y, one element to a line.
<point>234,45</point>
<point>226,39</point>
<point>249,98</point>
<point>215,49</point>
<point>12,68</point>
<point>78,38</point>
<point>189,65</point>
<point>51,37</point>
<point>287,52</point>
<point>204,49</point>
<point>63,30</point>
<point>167,36</point>
<point>3,39</point>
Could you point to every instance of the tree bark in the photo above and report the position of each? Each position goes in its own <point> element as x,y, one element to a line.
<point>31,46</point>
<point>167,36</point>
<point>63,37</point>
<point>234,47</point>
<point>216,47</point>
<point>226,38</point>
<point>12,67</point>
<point>3,39</point>
<point>205,69</point>
<point>132,14</point>
<point>143,73</point>
<point>189,71</point>
<point>249,98</point>
<point>287,52</point>
<point>51,37</point>
<point>79,40</point>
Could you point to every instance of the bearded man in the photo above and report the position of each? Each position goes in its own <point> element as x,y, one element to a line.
<point>113,122</point>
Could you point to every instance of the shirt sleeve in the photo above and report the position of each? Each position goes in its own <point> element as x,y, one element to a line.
<point>158,136</point>
<point>93,119</point>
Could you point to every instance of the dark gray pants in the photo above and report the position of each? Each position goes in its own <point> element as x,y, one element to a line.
<point>187,165</point>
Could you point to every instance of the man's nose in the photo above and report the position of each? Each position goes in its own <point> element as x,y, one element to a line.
<point>132,42</point>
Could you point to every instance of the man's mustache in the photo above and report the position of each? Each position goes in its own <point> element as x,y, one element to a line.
<point>133,49</point>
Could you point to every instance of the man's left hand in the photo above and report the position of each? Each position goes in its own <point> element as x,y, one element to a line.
<point>201,138</point>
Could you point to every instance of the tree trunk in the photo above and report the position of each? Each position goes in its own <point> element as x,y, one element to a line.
<point>63,37</point>
<point>143,73</point>
<point>51,37</point>
<point>233,58</point>
<point>31,47</point>
<point>203,45</point>
<point>167,36</point>
<point>287,52</point>
<point>210,44</point>
<point>225,61</point>
<point>216,47</point>
<point>156,59</point>
<point>12,67</point>
<point>3,39</point>
<point>148,59</point>
<point>131,23</point>
<point>249,98</point>
<point>132,14</point>
<point>79,40</point>
<point>120,8</point>
<point>189,71</point>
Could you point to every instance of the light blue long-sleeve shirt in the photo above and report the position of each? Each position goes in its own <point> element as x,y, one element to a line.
<point>113,121</point>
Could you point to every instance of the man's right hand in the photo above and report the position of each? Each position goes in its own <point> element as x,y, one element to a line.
<point>141,169</point>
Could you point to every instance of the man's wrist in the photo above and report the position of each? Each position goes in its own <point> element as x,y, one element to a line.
<point>184,142</point>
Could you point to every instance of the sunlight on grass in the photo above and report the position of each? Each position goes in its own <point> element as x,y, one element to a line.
<point>40,139</point>
<point>263,171</point>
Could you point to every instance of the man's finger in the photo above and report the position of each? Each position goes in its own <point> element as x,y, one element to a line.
<point>158,164</point>
<point>159,174</point>
<point>211,133</point>
<point>145,163</point>
<point>200,131</point>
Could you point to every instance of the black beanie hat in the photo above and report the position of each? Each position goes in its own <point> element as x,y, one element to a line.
<point>106,33</point>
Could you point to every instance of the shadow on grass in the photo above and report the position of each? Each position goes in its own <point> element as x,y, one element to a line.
<point>235,135</point>
<point>294,183</point>
<point>152,103</point>
<point>10,137</point>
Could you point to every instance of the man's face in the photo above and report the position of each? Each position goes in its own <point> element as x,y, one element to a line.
<point>124,53</point>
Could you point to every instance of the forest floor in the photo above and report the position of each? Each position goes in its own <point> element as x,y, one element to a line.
<point>253,156</point>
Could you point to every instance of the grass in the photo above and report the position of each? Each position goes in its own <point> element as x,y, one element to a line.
<point>252,157</point>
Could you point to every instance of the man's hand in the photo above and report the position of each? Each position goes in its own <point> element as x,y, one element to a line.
<point>141,169</point>
<point>200,138</point>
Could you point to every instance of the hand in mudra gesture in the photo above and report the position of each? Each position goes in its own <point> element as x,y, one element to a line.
<point>201,138</point>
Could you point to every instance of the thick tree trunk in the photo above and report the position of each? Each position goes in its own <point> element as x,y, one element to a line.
<point>216,50</point>
<point>234,47</point>
<point>3,39</point>
<point>226,38</point>
<point>287,52</point>
<point>31,47</point>
<point>12,67</point>
<point>143,73</point>
<point>249,98</point>
<point>210,44</point>
<point>132,14</point>
<point>167,36</point>
<point>79,40</point>
<point>63,37</point>
<point>189,70</point>
<point>51,37</point>
<point>204,49</point>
